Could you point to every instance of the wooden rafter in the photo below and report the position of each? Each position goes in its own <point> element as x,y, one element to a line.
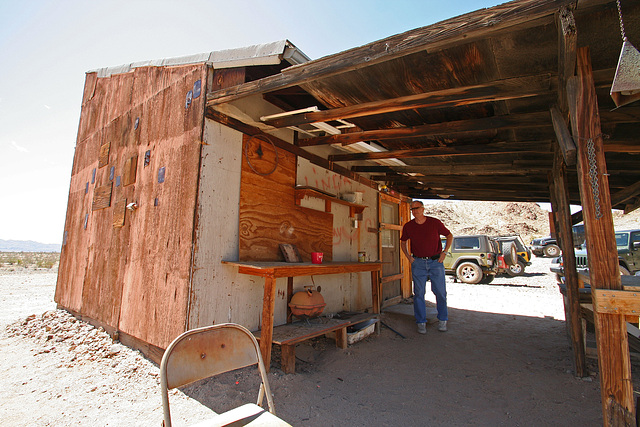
<point>512,121</point>
<point>498,148</point>
<point>501,90</point>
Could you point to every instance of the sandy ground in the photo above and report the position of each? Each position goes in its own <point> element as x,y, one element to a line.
<point>505,361</point>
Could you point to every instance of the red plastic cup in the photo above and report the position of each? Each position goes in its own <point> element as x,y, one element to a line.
<point>316,257</point>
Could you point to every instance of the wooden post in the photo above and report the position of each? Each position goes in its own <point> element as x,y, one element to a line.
<point>572,308</point>
<point>266,334</point>
<point>611,333</point>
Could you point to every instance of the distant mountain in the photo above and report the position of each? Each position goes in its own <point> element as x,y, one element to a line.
<point>28,246</point>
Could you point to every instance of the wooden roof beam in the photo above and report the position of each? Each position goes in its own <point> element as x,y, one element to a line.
<point>501,90</point>
<point>513,121</point>
<point>480,169</point>
<point>456,179</point>
<point>499,148</point>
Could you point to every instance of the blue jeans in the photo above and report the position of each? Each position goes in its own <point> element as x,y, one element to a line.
<point>421,271</point>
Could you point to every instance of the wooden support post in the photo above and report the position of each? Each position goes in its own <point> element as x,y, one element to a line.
<point>268,303</point>
<point>572,309</point>
<point>611,332</point>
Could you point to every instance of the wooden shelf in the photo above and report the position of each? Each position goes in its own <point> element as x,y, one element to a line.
<point>302,192</point>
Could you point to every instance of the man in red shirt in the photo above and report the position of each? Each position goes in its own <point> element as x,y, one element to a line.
<point>426,257</point>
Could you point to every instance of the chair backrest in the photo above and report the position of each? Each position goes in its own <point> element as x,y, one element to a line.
<point>206,352</point>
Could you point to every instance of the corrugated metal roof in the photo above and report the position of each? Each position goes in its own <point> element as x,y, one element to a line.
<point>263,54</point>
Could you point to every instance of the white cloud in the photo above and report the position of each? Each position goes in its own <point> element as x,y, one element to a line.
<point>47,107</point>
<point>19,147</point>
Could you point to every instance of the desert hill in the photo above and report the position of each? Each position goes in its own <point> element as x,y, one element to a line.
<point>528,220</point>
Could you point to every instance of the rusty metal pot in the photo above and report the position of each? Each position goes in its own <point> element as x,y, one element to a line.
<point>307,303</point>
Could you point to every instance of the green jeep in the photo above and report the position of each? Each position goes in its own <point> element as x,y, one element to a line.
<point>628,245</point>
<point>474,259</point>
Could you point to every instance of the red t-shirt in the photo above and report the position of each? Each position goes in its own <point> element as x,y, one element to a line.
<point>425,237</point>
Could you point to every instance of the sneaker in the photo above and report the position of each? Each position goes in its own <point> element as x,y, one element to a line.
<point>442,326</point>
<point>422,328</point>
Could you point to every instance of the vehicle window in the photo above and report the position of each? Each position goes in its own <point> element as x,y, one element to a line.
<point>519,245</point>
<point>635,239</point>
<point>622,239</point>
<point>467,243</point>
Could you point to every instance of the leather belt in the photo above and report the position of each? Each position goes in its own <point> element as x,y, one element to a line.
<point>433,258</point>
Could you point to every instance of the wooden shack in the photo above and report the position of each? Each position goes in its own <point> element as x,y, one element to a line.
<point>161,195</point>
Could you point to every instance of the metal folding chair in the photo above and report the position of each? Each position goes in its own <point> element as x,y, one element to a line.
<point>206,352</point>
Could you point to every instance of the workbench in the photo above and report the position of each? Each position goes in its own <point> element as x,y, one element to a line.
<point>273,270</point>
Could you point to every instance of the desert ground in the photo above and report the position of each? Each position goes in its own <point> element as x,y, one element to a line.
<point>505,360</point>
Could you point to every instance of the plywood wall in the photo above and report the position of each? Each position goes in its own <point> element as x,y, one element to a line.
<point>139,142</point>
<point>268,212</point>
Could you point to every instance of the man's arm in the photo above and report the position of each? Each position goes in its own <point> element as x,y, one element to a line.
<point>405,250</point>
<point>447,246</point>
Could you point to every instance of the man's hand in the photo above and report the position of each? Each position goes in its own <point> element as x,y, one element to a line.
<point>443,255</point>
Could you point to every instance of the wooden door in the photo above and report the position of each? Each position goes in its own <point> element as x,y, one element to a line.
<point>391,214</point>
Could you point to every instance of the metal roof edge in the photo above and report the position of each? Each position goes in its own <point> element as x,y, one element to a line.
<point>262,54</point>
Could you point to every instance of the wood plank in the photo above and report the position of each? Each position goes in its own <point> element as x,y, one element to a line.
<point>119,210</point>
<point>102,197</point>
<point>103,160</point>
<point>616,302</point>
<point>285,269</point>
<point>563,215</point>
<point>297,332</point>
<point>268,212</point>
<point>129,171</point>
<point>500,90</point>
<point>512,121</point>
<point>563,137</point>
<point>451,151</point>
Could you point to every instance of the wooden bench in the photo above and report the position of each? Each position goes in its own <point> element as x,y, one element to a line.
<point>290,334</point>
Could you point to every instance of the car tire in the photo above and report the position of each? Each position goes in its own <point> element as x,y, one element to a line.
<point>486,279</point>
<point>552,251</point>
<point>516,270</point>
<point>469,273</point>
<point>624,271</point>
<point>509,253</point>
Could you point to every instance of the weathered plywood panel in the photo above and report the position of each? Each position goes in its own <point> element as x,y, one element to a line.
<point>102,197</point>
<point>268,214</point>
<point>104,154</point>
<point>134,276</point>
<point>129,171</point>
<point>156,279</point>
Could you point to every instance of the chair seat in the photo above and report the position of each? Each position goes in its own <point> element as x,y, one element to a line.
<point>245,415</point>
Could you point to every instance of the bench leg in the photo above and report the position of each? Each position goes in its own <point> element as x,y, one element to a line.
<point>288,358</point>
<point>341,337</point>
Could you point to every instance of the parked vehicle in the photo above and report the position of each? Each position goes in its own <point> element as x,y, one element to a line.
<point>545,246</point>
<point>628,244</point>
<point>475,259</point>
<point>523,253</point>
<point>548,246</point>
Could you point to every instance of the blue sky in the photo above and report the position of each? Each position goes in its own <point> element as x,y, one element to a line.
<point>46,48</point>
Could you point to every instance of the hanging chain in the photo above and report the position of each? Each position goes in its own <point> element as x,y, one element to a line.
<point>624,37</point>
<point>593,176</point>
